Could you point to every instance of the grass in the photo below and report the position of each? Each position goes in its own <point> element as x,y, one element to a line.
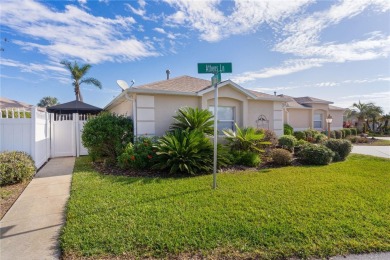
<point>380,142</point>
<point>275,213</point>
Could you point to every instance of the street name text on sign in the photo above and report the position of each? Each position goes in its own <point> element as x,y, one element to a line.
<point>215,68</point>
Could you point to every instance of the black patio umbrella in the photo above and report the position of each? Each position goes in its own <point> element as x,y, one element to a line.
<point>74,107</point>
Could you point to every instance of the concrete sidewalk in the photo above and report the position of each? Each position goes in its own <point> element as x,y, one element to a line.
<point>379,151</point>
<point>30,229</point>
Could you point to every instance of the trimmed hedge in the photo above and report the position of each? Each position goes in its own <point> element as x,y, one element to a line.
<point>287,142</point>
<point>247,158</point>
<point>15,167</point>
<point>353,131</point>
<point>300,135</point>
<point>347,132</point>
<point>281,157</point>
<point>288,129</point>
<point>339,134</point>
<point>313,154</point>
<point>341,148</point>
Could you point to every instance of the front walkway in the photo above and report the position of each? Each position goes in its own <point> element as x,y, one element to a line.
<point>31,227</point>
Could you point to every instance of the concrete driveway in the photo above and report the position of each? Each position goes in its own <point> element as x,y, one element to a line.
<point>379,151</point>
<point>31,227</point>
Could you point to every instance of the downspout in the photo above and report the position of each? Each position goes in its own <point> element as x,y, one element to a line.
<point>133,101</point>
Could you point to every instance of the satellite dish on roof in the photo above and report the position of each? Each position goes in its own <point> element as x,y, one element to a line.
<point>122,84</point>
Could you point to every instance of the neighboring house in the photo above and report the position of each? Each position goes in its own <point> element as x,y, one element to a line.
<point>13,104</point>
<point>153,105</point>
<point>308,112</point>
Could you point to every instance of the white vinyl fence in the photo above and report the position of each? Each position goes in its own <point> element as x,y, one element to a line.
<point>20,132</point>
<point>40,135</point>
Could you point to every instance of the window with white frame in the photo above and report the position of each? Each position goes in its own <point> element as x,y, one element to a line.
<point>226,118</point>
<point>317,122</point>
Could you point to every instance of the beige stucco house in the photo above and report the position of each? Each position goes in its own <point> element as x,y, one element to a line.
<point>309,112</point>
<point>153,105</point>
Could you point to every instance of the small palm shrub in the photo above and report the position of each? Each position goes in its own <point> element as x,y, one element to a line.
<point>15,167</point>
<point>184,151</point>
<point>341,148</point>
<point>194,119</point>
<point>353,131</point>
<point>107,135</point>
<point>245,139</point>
<point>224,157</point>
<point>281,157</point>
<point>314,154</point>
<point>339,134</point>
<point>288,129</point>
<point>247,158</point>
<point>140,155</point>
<point>287,142</point>
<point>300,135</point>
<point>269,136</point>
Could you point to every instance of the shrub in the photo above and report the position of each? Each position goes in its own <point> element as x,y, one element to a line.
<point>339,134</point>
<point>106,135</point>
<point>269,136</point>
<point>353,139</point>
<point>332,134</point>
<point>194,119</point>
<point>245,139</point>
<point>281,157</point>
<point>15,167</point>
<point>288,129</point>
<point>353,131</point>
<point>140,155</point>
<point>247,158</point>
<point>341,148</point>
<point>314,154</point>
<point>224,157</point>
<point>184,151</point>
<point>287,142</point>
<point>347,132</point>
<point>319,138</point>
<point>300,135</point>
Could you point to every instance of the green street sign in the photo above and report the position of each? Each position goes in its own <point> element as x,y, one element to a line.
<point>215,68</point>
<point>216,78</point>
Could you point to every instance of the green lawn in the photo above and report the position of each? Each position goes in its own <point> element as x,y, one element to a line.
<point>277,213</point>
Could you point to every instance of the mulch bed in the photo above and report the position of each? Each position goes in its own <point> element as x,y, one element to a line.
<point>9,194</point>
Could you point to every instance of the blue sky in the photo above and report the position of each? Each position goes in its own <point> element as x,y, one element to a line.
<point>333,50</point>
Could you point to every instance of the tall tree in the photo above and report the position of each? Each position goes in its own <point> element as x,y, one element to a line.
<point>78,72</point>
<point>48,101</point>
<point>359,110</point>
<point>374,112</point>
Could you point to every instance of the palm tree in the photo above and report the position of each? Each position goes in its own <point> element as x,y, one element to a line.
<point>374,112</point>
<point>359,110</point>
<point>78,72</point>
<point>194,119</point>
<point>48,102</point>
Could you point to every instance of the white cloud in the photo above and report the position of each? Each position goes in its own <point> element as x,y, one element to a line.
<point>74,33</point>
<point>378,98</point>
<point>288,67</point>
<point>160,30</point>
<point>246,17</point>
<point>302,38</point>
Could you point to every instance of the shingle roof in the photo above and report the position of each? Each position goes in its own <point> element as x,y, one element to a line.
<point>292,102</point>
<point>9,103</point>
<point>336,108</point>
<point>178,84</point>
<point>305,100</point>
<point>259,94</point>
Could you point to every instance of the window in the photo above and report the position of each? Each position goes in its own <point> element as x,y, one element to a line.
<point>317,121</point>
<point>225,117</point>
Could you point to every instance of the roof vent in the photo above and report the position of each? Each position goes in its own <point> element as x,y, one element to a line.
<point>168,72</point>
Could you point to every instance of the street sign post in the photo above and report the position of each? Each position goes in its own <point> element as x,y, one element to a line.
<point>216,69</point>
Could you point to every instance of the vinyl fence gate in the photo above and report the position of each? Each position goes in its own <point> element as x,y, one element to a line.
<point>66,131</point>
